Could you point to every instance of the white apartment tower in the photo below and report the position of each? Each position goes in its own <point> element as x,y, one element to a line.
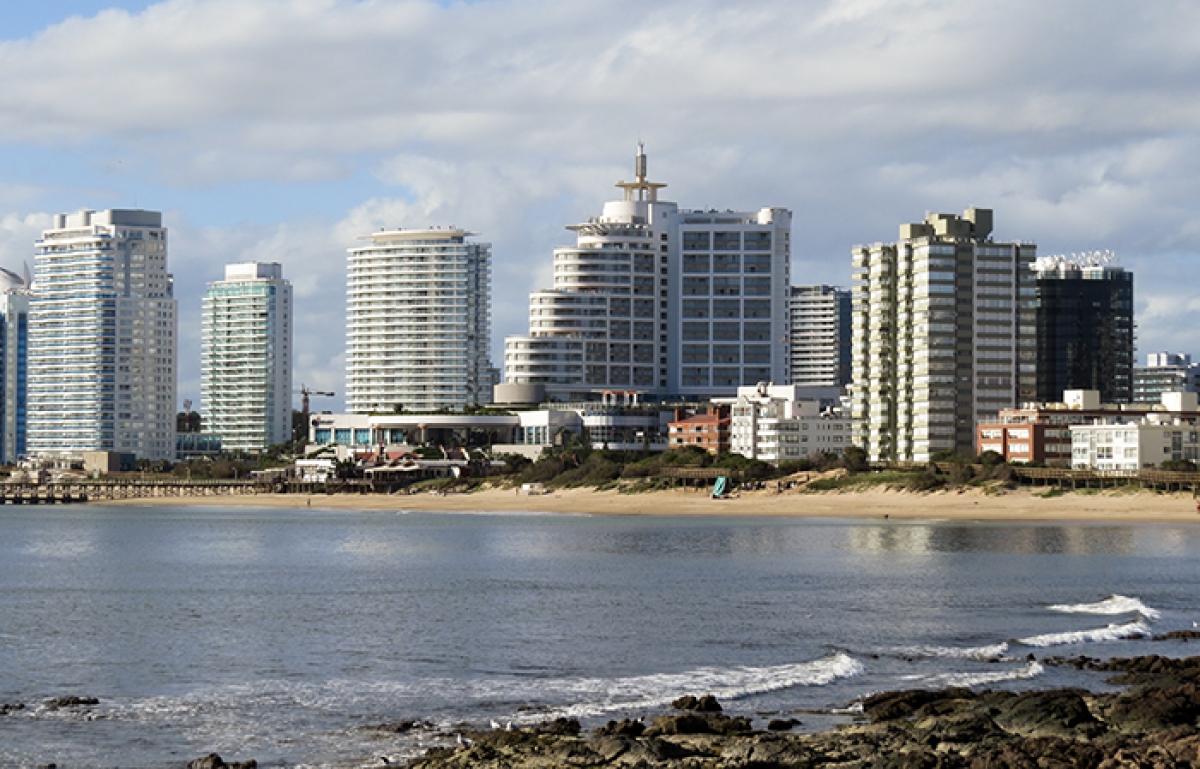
<point>246,357</point>
<point>658,300</point>
<point>102,337</point>
<point>419,322</point>
<point>820,336</point>
<point>943,336</point>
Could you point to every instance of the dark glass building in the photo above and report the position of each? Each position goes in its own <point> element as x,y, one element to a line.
<point>1084,331</point>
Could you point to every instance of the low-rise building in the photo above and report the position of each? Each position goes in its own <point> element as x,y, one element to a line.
<point>1129,446</point>
<point>708,430</point>
<point>774,423</point>
<point>1041,432</point>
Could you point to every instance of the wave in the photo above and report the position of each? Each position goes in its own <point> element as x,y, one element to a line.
<point>1114,604</point>
<point>1114,632</point>
<point>608,695</point>
<point>1031,670</point>
<point>982,653</point>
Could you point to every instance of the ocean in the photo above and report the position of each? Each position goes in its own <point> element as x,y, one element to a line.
<point>286,635</point>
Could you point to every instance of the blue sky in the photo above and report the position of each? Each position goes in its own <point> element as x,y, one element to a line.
<point>277,130</point>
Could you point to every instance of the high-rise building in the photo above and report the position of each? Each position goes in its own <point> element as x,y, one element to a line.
<point>246,357</point>
<point>14,363</point>
<point>944,336</point>
<point>820,336</point>
<point>659,300</point>
<point>102,337</point>
<point>419,322</point>
<point>1084,328</point>
<point>1165,372</point>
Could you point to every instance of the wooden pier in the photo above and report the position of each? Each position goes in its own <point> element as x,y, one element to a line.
<point>123,488</point>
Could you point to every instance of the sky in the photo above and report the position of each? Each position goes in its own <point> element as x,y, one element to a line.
<point>279,130</point>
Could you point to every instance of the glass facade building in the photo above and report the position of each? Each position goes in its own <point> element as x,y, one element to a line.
<point>14,364</point>
<point>102,337</point>
<point>1084,330</point>
<point>246,357</point>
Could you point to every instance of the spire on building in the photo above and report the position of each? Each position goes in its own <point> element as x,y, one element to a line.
<point>640,189</point>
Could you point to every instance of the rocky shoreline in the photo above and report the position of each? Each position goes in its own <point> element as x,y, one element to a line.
<point>1153,724</point>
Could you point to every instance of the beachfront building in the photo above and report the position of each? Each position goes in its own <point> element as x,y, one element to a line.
<point>102,338</point>
<point>14,363</point>
<point>658,300</point>
<point>246,357</point>
<point>820,336</point>
<point>1041,431</point>
<point>1165,372</point>
<point>943,336</point>
<point>776,423</point>
<point>419,315</point>
<point>1084,327</point>
<point>1127,444</point>
<point>708,430</point>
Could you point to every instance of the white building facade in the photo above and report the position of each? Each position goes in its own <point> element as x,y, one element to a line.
<point>1128,445</point>
<point>246,357</point>
<point>775,423</point>
<point>419,317</point>
<point>820,336</point>
<point>103,335</point>
<point>654,299</point>
<point>14,364</point>
<point>944,336</point>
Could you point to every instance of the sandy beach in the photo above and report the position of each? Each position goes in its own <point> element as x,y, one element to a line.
<point>969,504</point>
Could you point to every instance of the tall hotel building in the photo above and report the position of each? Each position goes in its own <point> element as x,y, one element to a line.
<point>944,336</point>
<point>102,337</point>
<point>659,300</point>
<point>419,322</point>
<point>1084,328</point>
<point>246,357</point>
<point>14,363</point>
<point>820,336</point>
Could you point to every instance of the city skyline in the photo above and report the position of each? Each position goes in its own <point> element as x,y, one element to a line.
<point>1074,122</point>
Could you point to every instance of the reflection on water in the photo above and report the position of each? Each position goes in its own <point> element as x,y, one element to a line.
<point>1026,539</point>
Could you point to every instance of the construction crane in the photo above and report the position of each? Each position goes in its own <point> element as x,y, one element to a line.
<point>304,393</point>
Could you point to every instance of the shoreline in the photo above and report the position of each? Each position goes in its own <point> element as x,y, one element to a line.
<point>969,504</point>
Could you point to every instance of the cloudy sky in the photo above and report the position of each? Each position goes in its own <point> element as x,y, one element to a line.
<point>278,130</point>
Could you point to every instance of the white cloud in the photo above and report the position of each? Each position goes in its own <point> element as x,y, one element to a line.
<point>1076,120</point>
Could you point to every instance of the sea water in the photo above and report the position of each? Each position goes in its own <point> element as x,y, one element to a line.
<point>283,635</point>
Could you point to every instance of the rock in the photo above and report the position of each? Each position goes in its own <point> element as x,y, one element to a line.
<point>71,702</point>
<point>6,708</point>
<point>782,724</point>
<point>705,704</point>
<point>625,728</point>
<point>559,726</point>
<point>213,761</point>
<point>888,706</point>
<point>1152,708</point>
<point>1061,713</point>
<point>700,723</point>
<point>398,727</point>
<point>1178,635</point>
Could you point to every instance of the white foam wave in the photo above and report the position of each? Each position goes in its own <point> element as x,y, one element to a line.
<point>1114,604</point>
<point>1114,632</point>
<point>983,653</point>
<point>1031,670</point>
<point>603,696</point>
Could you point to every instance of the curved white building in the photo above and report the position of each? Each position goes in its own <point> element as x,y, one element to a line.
<point>246,357</point>
<point>658,300</point>
<point>418,312</point>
